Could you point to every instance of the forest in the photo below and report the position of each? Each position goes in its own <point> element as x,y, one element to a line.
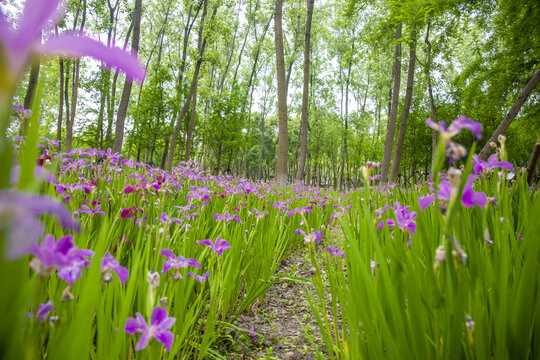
<point>373,71</point>
<point>343,179</point>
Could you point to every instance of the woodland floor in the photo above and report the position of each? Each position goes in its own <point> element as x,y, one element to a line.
<point>284,322</point>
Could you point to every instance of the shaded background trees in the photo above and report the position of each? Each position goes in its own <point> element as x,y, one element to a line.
<point>211,89</point>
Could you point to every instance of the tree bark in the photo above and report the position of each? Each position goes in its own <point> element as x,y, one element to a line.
<point>75,78</point>
<point>484,154</point>
<point>430,93</point>
<point>32,85</point>
<point>184,110</point>
<point>533,162</point>
<point>282,150</point>
<point>391,126</point>
<point>191,123</point>
<point>126,92</point>
<point>69,124</point>
<point>405,111</point>
<point>60,107</point>
<point>305,95</point>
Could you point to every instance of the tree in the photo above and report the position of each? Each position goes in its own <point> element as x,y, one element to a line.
<point>305,95</point>
<point>405,111</point>
<point>282,151</point>
<point>391,125</point>
<point>511,115</point>
<point>126,92</point>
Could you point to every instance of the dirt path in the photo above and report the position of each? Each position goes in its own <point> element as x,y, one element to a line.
<point>283,315</point>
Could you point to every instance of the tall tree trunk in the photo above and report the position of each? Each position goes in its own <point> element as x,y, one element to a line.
<point>533,162</point>
<point>282,151</point>
<point>99,133</point>
<point>180,79</point>
<point>405,111</point>
<point>191,124</point>
<point>430,93</point>
<point>202,46</point>
<point>345,155</point>
<point>293,55</point>
<point>305,95</point>
<point>391,126</point>
<point>69,124</point>
<point>484,154</point>
<point>76,73</point>
<point>261,150</point>
<point>122,108</point>
<point>61,106</point>
<point>32,85</point>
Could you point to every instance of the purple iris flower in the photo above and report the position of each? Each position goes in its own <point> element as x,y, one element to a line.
<point>306,209</point>
<point>470,197</point>
<point>91,212</point>
<point>19,211</point>
<point>315,236</point>
<point>24,112</point>
<point>165,219</point>
<point>282,205</point>
<point>390,223</point>
<point>425,201</point>
<point>177,262</point>
<point>73,270</point>
<point>21,43</point>
<point>200,278</point>
<point>158,328</point>
<point>108,264</point>
<point>459,123</point>
<point>251,332</point>
<point>335,251</point>
<point>259,214</point>
<point>480,165</point>
<point>218,247</point>
<point>43,311</point>
<point>454,150</point>
<point>52,254</point>
<point>404,217</point>
<point>227,217</point>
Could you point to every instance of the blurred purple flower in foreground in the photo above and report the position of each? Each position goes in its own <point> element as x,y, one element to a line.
<point>454,150</point>
<point>480,165</point>
<point>108,264</point>
<point>158,329</point>
<point>20,44</point>
<point>459,123</point>
<point>220,245</point>
<point>19,211</point>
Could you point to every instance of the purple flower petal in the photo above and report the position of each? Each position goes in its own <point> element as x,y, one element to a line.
<point>463,122</point>
<point>78,45</point>
<point>166,338</point>
<point>168,254</point>
<point>158,315</point>
<point>143,341</point>
<point>425,201</point>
